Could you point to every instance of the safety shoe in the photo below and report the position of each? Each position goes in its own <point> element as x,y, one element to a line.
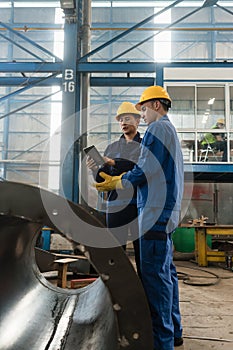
<point>178,341</point>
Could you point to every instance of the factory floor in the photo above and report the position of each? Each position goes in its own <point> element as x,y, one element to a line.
<point>207,311</point>
<point>206,305</point>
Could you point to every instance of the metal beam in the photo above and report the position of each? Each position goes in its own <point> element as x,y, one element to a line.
<point>143,67</point>
<point>94,81</point>
<point>17,92</point>
<point>225,9</point>
<point>21,47</point>
<point>111,81</point>
<point>30,148</point>
<point>119,67</point>
<point>204,172</point>
<point>101,67</point>
<point>209,3</point>
<point>129,30</point>
<point>108,67</point>
<point>31,81</point>
<point>70,109</point>
<point>28,105</point>
<point>29,26</point>
<point>31,67</point>
<point>152,36</point>
<point>37,46</point>
<point>194,26</point>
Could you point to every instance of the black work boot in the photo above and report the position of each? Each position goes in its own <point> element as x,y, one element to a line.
<point>178,341</point>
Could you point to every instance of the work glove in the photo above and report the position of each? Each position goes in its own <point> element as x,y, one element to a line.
<point>110,183</point>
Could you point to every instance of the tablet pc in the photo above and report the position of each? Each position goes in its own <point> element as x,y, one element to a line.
<point>94,154</point>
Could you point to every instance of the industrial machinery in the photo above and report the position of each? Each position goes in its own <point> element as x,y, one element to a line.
<point>109,314</point>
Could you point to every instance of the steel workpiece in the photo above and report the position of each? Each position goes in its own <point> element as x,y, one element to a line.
<point>112,313</point>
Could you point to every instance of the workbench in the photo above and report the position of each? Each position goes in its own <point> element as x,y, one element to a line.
<point>62,270</point>
<point>203,254</point>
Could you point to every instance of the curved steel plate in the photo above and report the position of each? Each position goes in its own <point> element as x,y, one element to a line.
<point>110,314</point>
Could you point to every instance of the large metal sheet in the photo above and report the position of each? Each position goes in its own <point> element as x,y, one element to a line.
<point>110,314</point>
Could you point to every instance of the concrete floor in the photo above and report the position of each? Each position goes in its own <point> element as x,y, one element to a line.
<point>207,311</point>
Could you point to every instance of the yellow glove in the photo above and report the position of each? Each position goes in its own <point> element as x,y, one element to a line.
<point>110,183</point>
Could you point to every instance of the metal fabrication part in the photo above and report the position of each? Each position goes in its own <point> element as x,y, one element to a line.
<point>112,313</point>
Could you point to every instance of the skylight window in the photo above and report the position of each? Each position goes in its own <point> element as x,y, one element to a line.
<point>160,4</point>
<point>162,41</point>
<point>5,4</point>
<point>37,4</point>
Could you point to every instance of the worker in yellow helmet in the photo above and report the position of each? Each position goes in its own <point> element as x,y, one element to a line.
<point>149,95</point>
<point>121,156</point>
<point>158,177</point>
<point>216,140</point>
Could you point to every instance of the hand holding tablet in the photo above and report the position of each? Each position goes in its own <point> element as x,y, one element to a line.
<point>93,153</point>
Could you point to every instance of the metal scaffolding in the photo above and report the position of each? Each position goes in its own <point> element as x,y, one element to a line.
<point>110,55</point>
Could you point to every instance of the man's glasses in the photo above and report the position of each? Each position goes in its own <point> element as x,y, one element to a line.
<point>125,119</point>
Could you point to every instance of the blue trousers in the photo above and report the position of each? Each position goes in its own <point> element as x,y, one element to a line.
<point>160,282</point>
<point>124,221</point>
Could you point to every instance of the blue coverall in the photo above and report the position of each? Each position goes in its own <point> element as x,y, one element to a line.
<point>158,177</point>
<point>121,214</point>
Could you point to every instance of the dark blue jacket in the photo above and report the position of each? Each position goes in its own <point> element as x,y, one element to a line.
<point>126,156</point>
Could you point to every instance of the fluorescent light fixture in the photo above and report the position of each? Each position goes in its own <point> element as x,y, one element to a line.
<point>68,4</point>
<point>211,101</point>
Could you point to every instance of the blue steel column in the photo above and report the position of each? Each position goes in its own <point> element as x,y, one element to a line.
<point>159,74</point>
<point>70,106</point>
<point>85,90</point>
<point>78,143</point>
<point>6,122</point>
<point>5,139</point>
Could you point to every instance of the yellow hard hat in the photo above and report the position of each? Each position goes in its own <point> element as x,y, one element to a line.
<point>127,108</point>
<point>154,92</point>
<point>220,121</point>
